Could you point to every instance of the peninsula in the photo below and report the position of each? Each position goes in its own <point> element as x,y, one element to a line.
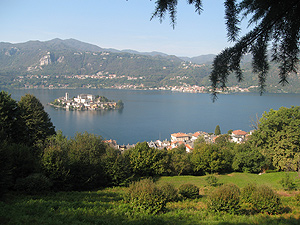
<point>86,102</point>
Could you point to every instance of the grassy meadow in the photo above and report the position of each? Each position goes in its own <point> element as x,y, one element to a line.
<point>108,207</point>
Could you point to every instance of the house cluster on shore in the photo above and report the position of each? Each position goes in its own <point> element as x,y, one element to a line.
<point>188,140</point>
<point>86,102</point>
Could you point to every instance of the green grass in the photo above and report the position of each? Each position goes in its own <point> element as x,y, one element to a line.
<point>240,179</point>
<point>107,206</point>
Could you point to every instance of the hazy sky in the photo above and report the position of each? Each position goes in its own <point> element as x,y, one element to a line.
<point>118,24</point>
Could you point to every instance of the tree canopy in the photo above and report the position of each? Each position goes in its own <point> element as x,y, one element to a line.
<point>37,121</point>
<point>276,28</point>
<point>277,137</point>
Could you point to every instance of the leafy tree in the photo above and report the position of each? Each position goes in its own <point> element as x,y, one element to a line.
<point>37,121</point>
<point>222,139</point>
<point>76,163</point>
<point>117,167</point>
<point>217,130</point>
<point>248,159</point>
<point>54,160</point>
<point>278,136</point>
<point>85,162</point>
<point>146,161</point>
<point>276,22</point>
<point>179,161</point>
<point>11,126</point>
<point>210,158</point>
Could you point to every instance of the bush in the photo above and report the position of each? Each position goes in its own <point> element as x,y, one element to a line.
<point>144,196</point>
<point>297,198</point>
<point>287,182</point>
<point>247,192</point>
<point>261,199</point>
<point>225,198</point>
<point>170,192</point>
<point>265,200</point>
<point>34,183</point>
<point>212,181</point>
<point>188,191</point>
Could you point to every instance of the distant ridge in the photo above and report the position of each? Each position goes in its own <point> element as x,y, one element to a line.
<point>116,68</point>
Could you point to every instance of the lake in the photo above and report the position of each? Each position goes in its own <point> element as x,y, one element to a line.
<point>152,115</point>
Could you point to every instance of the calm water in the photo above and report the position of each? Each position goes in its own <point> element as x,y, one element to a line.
<point>152,115</point>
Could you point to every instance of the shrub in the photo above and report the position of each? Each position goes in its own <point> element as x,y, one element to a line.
<point>225,198</point>
<point>212,181</point>
<point>188,191</point>
<point>34,183</point>
<point>170,192</point>
<point>144,196</point>
<point>247,192</point>
<point>265,200</point>
<point>287,182</point>
<point>297,198</point>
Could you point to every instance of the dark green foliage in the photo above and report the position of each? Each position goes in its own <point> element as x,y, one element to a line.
<point>37,121</point>
<point>17,161</point>
<point>246,194</point>
<point>24,161</point>
<point>11,125</point>
<point>146,197</point>
<point>55,162</point>
<point>277,137</point>
<point>211,158</point>
<point>225,198</point>
<point>179,161</point>
<point>6,178</point>
<point>75,164</point>
<point>170,192</point>
<point>297,198</point>
<point>217,130</point>
<point>33,184</point>
<point>261,199</point>
<point>265,200</point>
<point>117,167</point>
<point>288,182</point>
<point>120,104</point>
<point>146,161</point>
<point>276,22</point>
<point>222,139</point>
<point>212,181</point>
<point>188,191</point>
<point>248,159</point>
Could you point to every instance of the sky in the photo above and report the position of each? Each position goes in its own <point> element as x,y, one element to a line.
<point>118,24</point>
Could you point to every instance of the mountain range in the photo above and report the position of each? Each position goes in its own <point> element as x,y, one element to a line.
<point>151,69</point>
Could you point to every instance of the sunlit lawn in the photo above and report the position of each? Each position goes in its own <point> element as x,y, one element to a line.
<point>107,206</point>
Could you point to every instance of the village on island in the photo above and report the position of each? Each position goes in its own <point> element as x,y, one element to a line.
<point>188,140</point>
<point>86,102</point>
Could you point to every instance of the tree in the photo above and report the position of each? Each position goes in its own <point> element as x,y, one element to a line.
<point>179,161</point>
<point>37,121</point>
<point>217,130</point>
<point>248,159</point>
<point>11,126</point>
<point>146,161</point>
<point>210,158</point>
<point>276,22</point>
<point>278,136</point>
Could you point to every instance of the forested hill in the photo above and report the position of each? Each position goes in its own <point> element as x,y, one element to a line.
<point>72,57</point>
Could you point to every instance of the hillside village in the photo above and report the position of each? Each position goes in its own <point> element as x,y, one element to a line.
<point>86,102</point>
<point>188,140</point>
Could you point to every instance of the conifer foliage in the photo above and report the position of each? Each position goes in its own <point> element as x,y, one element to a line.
<point>276,26</point>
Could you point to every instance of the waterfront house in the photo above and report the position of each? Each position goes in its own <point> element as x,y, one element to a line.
<point>238,136</point>
<point>180,137</point>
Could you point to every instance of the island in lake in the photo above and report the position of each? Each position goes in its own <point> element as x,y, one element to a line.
<point>86,102</point>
